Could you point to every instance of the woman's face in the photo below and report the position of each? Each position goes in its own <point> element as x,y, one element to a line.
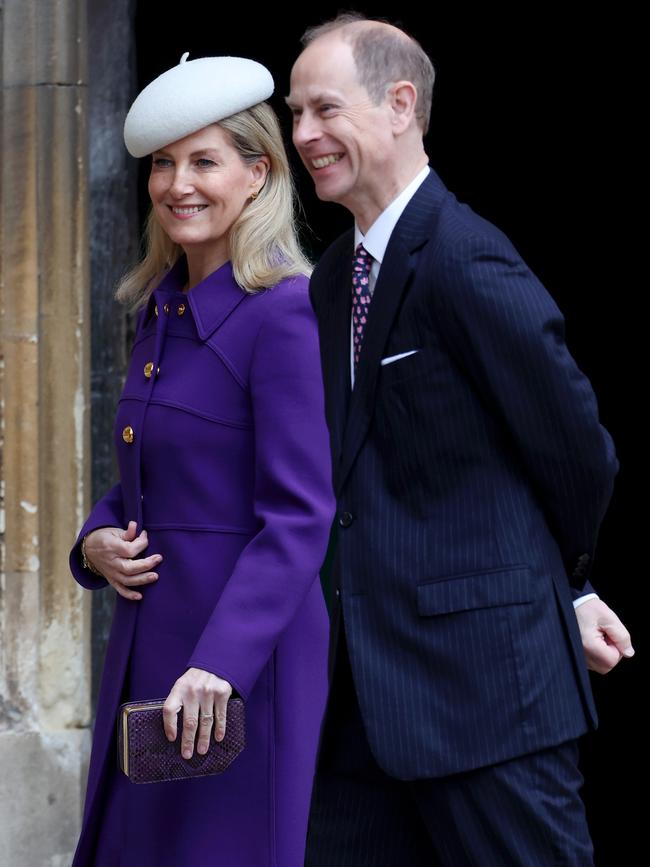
<point>199,186</point>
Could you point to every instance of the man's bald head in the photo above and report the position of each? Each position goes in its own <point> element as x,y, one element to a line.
<point>383,54</point>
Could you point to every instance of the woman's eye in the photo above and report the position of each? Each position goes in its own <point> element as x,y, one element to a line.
<point>205,163</point>
<point>161,162</point>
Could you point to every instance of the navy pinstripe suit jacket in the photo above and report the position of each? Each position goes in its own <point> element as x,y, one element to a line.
<point>471,479</point>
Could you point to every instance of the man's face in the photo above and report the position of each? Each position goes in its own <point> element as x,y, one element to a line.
<point>343,138</point>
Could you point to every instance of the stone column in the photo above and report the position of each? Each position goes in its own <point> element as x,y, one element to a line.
<point>114,231</point>
<point>44,342</point>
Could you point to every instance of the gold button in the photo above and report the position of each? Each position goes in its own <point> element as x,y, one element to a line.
<point>156,310</point>
<point>127,434</point>
<point>148,369</point>
<point>166,308</point>
<point>181,309</point>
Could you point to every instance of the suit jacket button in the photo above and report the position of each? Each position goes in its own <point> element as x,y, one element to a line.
<point>148,369</point>
<point>346,519</point>
<point>128,434</point>
<point>181,309</point>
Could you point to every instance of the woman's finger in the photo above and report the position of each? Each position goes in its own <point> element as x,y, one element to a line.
<point>206,721</point>
<point>190,725</point>
<point>131,568</point>
<point>221,710</point>
<point>129,534</point>
<point>138,580</point>
<point>171,708</point>
<point>127,548</point>
<point>133,595</point>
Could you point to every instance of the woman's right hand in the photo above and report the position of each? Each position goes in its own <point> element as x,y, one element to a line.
<point>113,552</point>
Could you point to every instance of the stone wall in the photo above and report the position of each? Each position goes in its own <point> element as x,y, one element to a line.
<point>44,384</point>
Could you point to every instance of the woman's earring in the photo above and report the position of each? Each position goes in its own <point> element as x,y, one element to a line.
<point>254,196</point>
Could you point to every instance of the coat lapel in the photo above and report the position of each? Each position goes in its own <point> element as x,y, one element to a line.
<point>413,230</point>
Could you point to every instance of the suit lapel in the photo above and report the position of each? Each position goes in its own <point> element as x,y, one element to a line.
<point>414,228</point>
<point>393,280</point>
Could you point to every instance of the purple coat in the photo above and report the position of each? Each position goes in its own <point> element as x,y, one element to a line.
<point>229,472</point>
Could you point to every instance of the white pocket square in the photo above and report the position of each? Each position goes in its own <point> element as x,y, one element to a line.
<point>391,358</point>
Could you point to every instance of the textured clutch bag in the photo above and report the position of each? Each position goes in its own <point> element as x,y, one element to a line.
<point>146,756</point>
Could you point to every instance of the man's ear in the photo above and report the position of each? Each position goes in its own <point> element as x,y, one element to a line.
<point>402,98</point>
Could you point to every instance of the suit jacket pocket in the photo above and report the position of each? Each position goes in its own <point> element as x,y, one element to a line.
<point>513,585</point>
<point>404,368</point>
<point>478,627</point>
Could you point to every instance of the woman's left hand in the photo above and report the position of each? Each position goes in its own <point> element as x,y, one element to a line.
<point>204,699</point>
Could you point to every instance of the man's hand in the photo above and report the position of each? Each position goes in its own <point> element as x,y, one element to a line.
<point>604,638</point>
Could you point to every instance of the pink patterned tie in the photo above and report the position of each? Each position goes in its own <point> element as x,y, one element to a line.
<point>360,298</point>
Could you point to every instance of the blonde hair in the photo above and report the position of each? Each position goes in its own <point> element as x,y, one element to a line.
<point>263,244</point>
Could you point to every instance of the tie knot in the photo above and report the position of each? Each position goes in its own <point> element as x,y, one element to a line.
<point>362,258</point>
<point>361,265</point>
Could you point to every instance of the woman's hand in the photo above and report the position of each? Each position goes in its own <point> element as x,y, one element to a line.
<point>113,551</point>
<point>204,699</point>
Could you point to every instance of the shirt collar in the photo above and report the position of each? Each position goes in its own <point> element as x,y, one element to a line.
<point>378,235</point>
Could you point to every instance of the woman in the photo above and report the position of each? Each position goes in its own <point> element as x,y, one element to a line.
<point>215,534</point>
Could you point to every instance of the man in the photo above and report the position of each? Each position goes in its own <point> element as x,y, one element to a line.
<point>471,475</point>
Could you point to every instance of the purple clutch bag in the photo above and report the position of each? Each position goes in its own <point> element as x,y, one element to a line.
<point>146,756</point>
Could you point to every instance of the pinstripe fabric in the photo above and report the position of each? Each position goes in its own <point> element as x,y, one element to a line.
<point>360,817</point>
<point>474,474</point>
<point>523,813</point>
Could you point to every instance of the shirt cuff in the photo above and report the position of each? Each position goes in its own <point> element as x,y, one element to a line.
<point>585,598</point>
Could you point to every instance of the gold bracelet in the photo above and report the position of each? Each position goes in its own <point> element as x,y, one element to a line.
<point>84,558</point>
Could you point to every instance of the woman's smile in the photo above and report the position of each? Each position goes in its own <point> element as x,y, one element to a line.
<point>185,212</point>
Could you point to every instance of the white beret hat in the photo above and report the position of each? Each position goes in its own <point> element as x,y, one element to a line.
<point>191,96</point>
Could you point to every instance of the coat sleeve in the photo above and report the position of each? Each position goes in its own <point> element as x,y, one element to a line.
<point>294,502</point>
<point>508,333</point>
<point>107,512</point>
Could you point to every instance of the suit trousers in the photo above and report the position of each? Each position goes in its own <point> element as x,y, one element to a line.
<point>526,812</point>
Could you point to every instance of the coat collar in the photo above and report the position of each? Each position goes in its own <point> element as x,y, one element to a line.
<point>211,301</point>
